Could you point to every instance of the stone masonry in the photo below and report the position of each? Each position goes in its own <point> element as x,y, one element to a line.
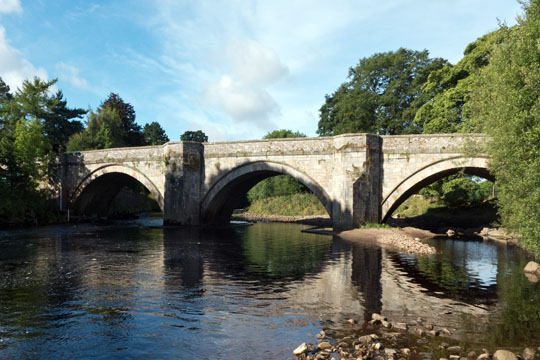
<point>358,177</point>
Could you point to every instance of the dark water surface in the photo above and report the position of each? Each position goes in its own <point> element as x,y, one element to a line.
<point>136,291</point>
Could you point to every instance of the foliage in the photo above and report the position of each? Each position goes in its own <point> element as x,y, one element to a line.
<point>382,95</point>
<point>26,155</point>
<point>509,104</point>
<point>131,131</point>
<point>154,134</point>
<point>282,134</point>
<point>279,185</point>
<point>104,130</point>
<point>300,204</point>
<point>197,136</point>
<point>449,89</point>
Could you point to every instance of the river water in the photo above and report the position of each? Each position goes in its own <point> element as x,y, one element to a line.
<point>137,290</point>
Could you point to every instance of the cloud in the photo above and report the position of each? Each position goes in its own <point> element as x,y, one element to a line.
<point>70,74</point>
<point>10,6</point>
<point>13,67</point>
<point>242,90</point>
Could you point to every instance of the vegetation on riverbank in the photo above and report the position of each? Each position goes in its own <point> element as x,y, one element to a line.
<point>299,204</point>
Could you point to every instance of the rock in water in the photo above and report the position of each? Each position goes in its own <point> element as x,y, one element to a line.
<point>504,355</point>
<point>532,267</point>
<point>300,350</point>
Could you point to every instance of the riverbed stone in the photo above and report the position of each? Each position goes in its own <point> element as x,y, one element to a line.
<point>532,267</point>
<point>529,354</point>
<point>378,317</point>
<point>454,349</point>
<point>504,355</point>
<point>483,356</point>
<point>401,326</point>
<point>302,348</point>
<point>325,345</point>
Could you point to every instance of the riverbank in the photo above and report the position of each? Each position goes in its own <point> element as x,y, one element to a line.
<point>382,339</point>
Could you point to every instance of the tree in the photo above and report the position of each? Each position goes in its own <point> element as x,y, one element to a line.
<point>382,95</point>
<point>154,134</point>
<point>34,101</point>
<point>131,130</point>
<point>196,136</point>
<point>104,129</point>
<point>508,105</point>
<point>449,89</point>
<point>282,134</point>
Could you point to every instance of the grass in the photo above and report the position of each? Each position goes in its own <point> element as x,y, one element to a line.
<point>302,204</point>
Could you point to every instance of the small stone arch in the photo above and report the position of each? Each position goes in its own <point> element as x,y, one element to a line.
<point>470,165</point>
<point>215,207</point>
<point>110,170</point>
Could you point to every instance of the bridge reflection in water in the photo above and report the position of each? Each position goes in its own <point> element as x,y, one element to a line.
<point>163,291</point>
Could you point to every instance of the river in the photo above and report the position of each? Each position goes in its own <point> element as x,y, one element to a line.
<point>136,290</point>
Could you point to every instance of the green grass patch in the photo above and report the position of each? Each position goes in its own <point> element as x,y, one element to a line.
<point>302,204</point>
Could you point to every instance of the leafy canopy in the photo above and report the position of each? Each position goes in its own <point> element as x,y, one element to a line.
<point>508,104</point>
<point>382,94</point>
<point>154,134</point>
<point>197,136</point>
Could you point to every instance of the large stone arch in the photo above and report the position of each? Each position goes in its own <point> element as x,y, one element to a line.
<point>215,205</point>
<point>435,171</point>
<point>110,175</point>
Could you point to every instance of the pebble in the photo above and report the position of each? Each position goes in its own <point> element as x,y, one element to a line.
<point>454,349</point>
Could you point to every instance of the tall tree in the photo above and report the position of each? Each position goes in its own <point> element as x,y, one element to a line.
<point>132,131</point>
<point>154,134</point>
<point>197,136</point>
<point>508,103</point>
<point>104,129</point>
<point>449,89</point>
<point>382,95</point>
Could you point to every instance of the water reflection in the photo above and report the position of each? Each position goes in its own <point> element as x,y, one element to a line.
<point>172,292</point>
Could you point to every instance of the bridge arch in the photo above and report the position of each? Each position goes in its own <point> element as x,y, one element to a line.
<point>429,174</point>
<point>216,207</point>
<point>102,184</point>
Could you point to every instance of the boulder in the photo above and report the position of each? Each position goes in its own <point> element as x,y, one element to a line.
<point>504,355</point>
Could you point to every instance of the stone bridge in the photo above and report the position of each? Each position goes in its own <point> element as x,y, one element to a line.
<point>357,177</point>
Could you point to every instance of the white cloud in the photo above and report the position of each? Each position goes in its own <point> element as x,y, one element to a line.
<point>70,74</point>
<point>242,90</point>
<point>13,67</point>
<point>10,6</point>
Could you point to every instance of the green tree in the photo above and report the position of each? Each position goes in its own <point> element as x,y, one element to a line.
<point>154,134</point>
<point>104,129</point>
<point>132,134</point>
<point>282,134</point>
<point>196,136</point>
<point>449,89</point>
<point>509,106</point>
<point>382,95</point>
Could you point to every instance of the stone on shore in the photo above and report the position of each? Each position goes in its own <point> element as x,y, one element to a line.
<point>532,267</point>
<point>504,355</point>
<point>325,345</point>
<point>300,349</point>
<point>529,354</point>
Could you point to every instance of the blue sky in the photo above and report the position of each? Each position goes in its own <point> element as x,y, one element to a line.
<point>234,69</point>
